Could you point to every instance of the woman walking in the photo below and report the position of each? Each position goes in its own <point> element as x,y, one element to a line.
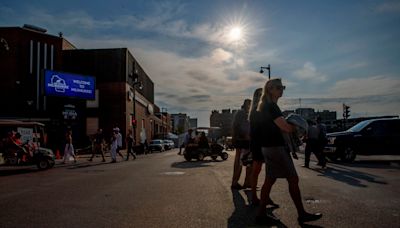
<point>255,120</point>
<point>278,162</point>
<point>69,148</point>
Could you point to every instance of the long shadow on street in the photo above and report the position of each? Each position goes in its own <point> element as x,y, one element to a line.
<point>193,164</point>
<point>244,214</point>
<point>349,176</point>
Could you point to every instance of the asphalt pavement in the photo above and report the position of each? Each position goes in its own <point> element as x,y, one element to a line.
<point>163,190</point>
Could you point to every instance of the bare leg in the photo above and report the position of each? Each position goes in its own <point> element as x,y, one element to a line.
<point>265,191</point>
<point>248,177</point>
<point>296,195</point>
<point>237,168</point>
<point>254,180</point>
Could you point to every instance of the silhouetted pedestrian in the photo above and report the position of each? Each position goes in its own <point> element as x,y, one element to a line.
<point>186,140</point>
<point>114,147</point>
<point>322,140</point>
<point>98,145</point>
<point>69,147</point>
<point>241,140</point>
<point>130,142</point>
<point>119,141</point>
<point>278,162</point>
<point>255,119</point>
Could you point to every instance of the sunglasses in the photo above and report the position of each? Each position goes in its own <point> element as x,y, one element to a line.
<point>280,87</point>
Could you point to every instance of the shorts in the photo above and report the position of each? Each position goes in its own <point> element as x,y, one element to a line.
<point>278,162</point>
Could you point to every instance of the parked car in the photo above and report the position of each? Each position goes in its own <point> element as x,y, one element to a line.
<point>156,145</point>
<point>169,144</point>
<point>369,137</point>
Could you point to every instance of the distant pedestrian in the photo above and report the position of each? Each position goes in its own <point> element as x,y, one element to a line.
<point>241,140</point>
<point>255,119</point>
<point>186,140</point>
<point>203,141</point>
<point>278,162</point>
<point>322,140</point>
<point>130,142</point>
<point>98,145</point>
<point>69,148</point>
<point>119,141</point>
<point>114,147</point>
<point>314,143</point>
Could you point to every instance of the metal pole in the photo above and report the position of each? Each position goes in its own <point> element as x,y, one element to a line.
<point>269,71</point>
<point>134,113</point>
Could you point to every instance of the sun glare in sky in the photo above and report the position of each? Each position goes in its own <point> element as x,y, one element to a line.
<point>235,34</point>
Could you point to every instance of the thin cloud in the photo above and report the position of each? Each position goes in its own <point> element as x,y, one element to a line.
<point>310,72</point>
<point>389,7</point>
<point>359,87</point>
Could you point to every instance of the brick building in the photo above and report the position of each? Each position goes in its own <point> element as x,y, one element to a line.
<point>26,52</point>
<point>223,120</point>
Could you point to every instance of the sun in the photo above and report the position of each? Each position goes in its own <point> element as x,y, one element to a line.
<point>235,33</point>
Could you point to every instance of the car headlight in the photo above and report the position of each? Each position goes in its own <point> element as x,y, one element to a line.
<point>331,140</point>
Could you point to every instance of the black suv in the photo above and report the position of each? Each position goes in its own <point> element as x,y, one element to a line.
<point>369,137</point>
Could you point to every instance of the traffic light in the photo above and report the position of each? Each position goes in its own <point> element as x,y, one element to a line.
<point>134,122</point>
<point>346,111</point>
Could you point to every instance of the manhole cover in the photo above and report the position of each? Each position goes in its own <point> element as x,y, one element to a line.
<point>174,173</point>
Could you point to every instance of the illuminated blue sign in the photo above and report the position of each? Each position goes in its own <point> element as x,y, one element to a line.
<point>69,85</point>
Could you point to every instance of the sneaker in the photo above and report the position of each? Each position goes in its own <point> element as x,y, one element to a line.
<point>307,217</point>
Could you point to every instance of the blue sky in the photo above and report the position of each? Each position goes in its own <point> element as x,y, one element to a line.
<point>206,55</point>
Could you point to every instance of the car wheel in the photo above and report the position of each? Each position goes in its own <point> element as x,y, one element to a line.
<point>333,157</point>
<point>187,157</point>
<point>200,157</point>
<point>43,164</point>
<point>224,156</point>
<point>348,154</point>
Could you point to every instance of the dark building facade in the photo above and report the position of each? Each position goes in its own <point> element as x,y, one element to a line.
<point>25,52</point>
<point>115,71</point>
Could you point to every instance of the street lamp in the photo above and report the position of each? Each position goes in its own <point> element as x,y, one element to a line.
<point>266,68</point>
<point>162,121</point>
<point>134,122</point>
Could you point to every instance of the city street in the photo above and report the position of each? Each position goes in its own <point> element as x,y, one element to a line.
<point>163,190</point>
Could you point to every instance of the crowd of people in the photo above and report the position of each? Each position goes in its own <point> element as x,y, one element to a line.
<point>100,145</point>
<point>258,129</point>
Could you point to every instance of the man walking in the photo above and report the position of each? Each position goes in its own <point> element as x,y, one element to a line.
<point>186,140</point>
<point>130,142</point>
<point>98,145</point>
